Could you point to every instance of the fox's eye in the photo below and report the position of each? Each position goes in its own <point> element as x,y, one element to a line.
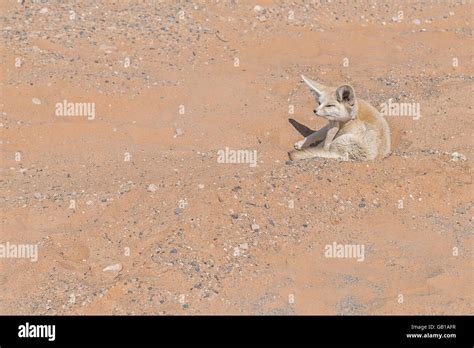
<point>330,106</point>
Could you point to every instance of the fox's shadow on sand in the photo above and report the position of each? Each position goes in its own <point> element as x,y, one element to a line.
<point>301,128</point>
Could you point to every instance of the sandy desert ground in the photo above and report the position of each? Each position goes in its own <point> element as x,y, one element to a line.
<point>133,213</point>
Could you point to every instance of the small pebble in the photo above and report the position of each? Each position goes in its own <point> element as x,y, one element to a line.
<point>456,156</point>
<point>259,9</point>
<point>152,188</point>
<point>113,268</point>
<point>178,133</point>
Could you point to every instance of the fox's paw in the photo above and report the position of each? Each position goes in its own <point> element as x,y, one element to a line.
<point>299,145</point>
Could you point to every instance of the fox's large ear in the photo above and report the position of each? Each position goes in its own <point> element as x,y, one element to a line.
<point>314,86</point>
<point>345,94</point>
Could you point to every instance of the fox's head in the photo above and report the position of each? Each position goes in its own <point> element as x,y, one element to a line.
<point>333,103</point>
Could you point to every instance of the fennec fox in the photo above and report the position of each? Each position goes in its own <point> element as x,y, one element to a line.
<point>356,131</point>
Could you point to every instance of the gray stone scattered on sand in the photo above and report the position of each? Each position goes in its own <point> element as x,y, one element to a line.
<point>196,266</point>
<point>178,133</point>
<point>348,306</point>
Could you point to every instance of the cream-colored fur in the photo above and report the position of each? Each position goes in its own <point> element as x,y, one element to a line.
<point>356,131</point>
